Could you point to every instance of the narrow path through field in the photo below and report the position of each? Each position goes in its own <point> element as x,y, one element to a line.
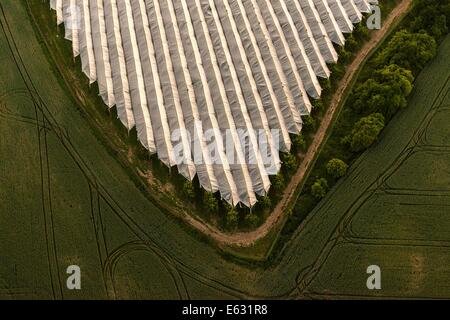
<point>248,238</point>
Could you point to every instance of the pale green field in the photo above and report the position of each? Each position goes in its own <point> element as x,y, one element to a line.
<point>64,199</point>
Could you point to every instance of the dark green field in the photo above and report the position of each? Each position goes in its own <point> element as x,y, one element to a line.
<point>64,199</point>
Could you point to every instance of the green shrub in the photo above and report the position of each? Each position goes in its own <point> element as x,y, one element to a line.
<point>299,142</point>
<point>337,71</point>
<point>265,203</point>
<point>386,92</point>
<point>188,190</point>
<point>278,183</point>
<point>351,44</point>
<point>336,168</point>
<point>289,162</point>
<point>232,218</point>
<point>319,188</point>
<point>251,220</point>
<point>210,202</point>
<point>309,123</point>
<point>366,131</point>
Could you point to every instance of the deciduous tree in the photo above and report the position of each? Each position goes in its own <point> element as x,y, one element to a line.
<point>411,51</point>
<point>366,131</point>
<point>336,168</point>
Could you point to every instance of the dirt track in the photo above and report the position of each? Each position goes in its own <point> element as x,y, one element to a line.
<point>246,239</point>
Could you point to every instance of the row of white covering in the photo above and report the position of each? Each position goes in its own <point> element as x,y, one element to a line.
<point>189,66</point>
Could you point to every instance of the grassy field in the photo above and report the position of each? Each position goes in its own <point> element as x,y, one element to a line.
<point>393,209</point>
<point>65,199</point>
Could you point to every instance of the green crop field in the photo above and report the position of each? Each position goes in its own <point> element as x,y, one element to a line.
<point>65,199</point>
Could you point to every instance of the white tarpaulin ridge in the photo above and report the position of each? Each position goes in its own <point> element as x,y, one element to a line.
<point>219,84</point>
